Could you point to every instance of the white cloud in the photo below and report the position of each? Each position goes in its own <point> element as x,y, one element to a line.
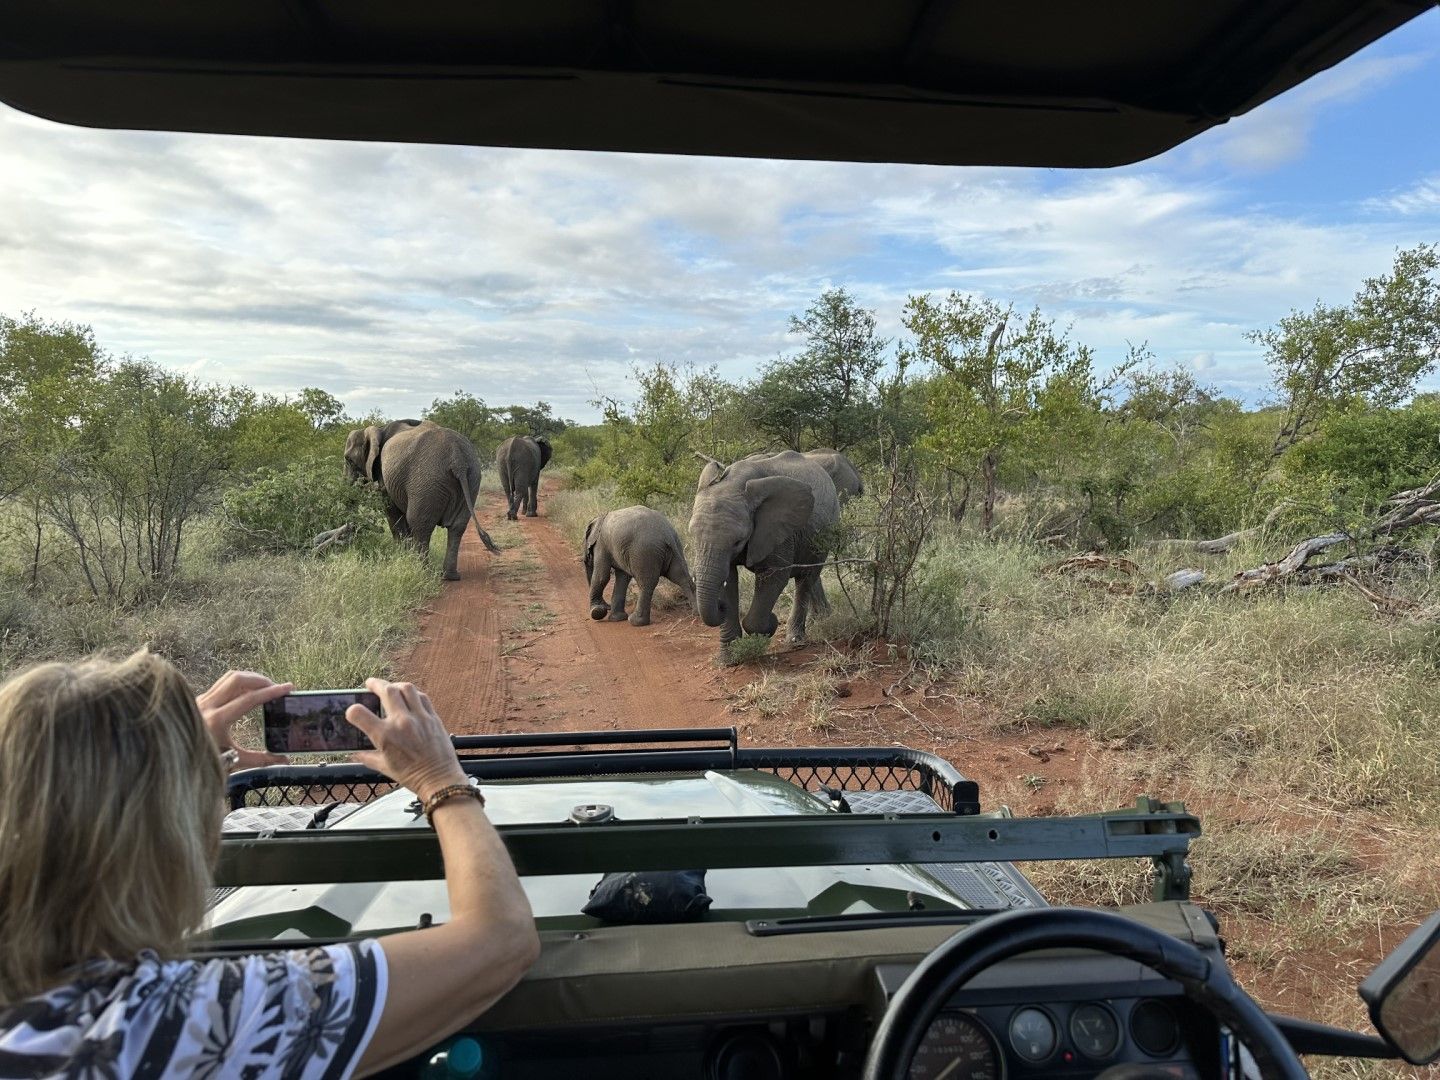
<point>1422,198</point>
<point>395,274</point>
<point>1279,131</point>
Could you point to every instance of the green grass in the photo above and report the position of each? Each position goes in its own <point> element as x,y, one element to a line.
<point>321,622</point>
<point>1304,688</point>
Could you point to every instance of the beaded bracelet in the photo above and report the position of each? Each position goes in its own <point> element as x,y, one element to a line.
<point>451,791</point>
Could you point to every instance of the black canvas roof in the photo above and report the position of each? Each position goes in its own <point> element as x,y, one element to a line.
<point>1012,82</point>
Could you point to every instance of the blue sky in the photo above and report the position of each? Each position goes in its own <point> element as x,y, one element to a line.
<point>395,274</point>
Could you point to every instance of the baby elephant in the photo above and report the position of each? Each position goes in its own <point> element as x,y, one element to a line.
<point>638,543</point>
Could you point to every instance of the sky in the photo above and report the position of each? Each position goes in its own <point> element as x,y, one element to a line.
<point>394,274</point>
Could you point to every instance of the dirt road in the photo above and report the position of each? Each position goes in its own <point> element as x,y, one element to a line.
<point>511,646</point>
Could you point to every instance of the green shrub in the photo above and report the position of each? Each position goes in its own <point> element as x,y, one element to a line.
<point>281,510</point>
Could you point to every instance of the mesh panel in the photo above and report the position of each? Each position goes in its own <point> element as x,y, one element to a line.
<point>343,791</point>
<point>861,776</point>
<point>809,775</point>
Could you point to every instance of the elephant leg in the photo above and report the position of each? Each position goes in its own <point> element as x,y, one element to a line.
<point>731,628</point>
<point>453,536</point>
<point>641,615</point>
<point>684,582</point>
<point>804,583</point>
<point>760,619</point>
<point>599,578</point>
<point>398,529</point>
<point>532,500</point>
<point>512,496</point>
<point>617,597</point>
<point>420,534</point>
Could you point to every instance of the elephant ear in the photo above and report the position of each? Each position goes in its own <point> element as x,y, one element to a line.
<point>712,472</point>
<point>545,451</point>
<point>780,507</point>
<point>590,541</point>
<point>374,440</point>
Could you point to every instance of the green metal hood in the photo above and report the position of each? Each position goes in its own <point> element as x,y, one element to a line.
<point>314,911</point>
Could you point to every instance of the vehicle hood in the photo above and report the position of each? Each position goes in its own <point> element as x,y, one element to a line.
<point>316,911</point>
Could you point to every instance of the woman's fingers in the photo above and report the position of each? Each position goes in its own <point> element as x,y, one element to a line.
<point>242,700</point>
<point>411,745</point>
<point>232,684</point>
<point>362,718</point>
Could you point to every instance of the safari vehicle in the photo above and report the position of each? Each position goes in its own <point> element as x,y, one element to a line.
<point>857,909</point>
<point>865,919</point>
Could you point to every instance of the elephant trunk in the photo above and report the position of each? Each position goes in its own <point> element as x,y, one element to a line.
<point>711,571</point>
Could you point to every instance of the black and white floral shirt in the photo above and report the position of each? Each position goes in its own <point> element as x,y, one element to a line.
<point>301,1015</point>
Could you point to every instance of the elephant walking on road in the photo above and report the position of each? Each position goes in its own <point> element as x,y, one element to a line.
<point>520,459</point>
<point>638,543</point>
<point>430,476</point>
<point>768,513</point>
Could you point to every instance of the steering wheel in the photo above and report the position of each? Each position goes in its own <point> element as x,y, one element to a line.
<point>978,948</point>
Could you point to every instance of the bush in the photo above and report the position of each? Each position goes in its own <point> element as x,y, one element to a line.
<point>282,510</point>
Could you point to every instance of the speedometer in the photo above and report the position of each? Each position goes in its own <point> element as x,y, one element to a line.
<point>957,1047</point>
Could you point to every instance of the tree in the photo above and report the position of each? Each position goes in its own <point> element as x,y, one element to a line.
<point>649,446</point>
<point>1373,350</point>
<point>825,395</point>
<point>322,408</point>
<point>139,468</point>
<point>470,416</point>
<point>48,372</point>
<point>537,419</point>
<point>264,431</point>
<point>1000,388</point>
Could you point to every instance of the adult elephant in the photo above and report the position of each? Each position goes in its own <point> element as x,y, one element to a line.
<point>430,476</point>
<point>768,513</point>
<point>520,459</point>
<point>842,471</point>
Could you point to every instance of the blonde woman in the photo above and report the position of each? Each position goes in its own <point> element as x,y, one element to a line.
<point>111,784</point>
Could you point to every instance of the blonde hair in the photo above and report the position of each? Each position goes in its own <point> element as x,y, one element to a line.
<point>110,800</point>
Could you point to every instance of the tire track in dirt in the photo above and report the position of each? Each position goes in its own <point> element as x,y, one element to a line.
<point>512,647</point>
<point>457,658</point>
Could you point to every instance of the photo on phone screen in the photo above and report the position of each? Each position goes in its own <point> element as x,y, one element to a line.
<point>313,721</point>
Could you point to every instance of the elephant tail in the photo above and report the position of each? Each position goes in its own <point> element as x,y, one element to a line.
<point>470,505</point>
<point>819,602</point>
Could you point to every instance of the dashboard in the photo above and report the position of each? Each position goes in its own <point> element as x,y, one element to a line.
<point>1048,1015</point>
<point>1077,1019</point>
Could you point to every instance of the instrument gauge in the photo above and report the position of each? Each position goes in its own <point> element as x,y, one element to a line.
<point>956,1047</point>
<point>1095,1031</point>
<point>1033,1035</point>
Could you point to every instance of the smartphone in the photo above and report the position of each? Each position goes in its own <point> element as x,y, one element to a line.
<point>313,722</point>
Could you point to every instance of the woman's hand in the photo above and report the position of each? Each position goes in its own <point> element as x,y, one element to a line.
<point>233,695</point>
<point>411,744</point>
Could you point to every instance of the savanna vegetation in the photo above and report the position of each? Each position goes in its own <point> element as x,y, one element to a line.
<point>1061,555</point>
<point>138,505</point>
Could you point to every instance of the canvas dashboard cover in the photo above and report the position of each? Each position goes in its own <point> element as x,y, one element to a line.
<point>648,973</point>
<point>1031,82</point>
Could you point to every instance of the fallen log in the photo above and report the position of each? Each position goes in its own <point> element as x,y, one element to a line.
<point>1181,579</point>
<point>1221,544</point>
<point>332,538</point>
<point>1299,555</point>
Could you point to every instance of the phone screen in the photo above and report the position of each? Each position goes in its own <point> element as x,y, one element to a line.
<point>313,721</point>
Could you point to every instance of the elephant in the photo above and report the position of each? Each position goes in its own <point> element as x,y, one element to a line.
<point>636,542</point>
<point>847,478</point>
<point>768,513</point>
<point>430,476</point>
<point>520,459</point>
